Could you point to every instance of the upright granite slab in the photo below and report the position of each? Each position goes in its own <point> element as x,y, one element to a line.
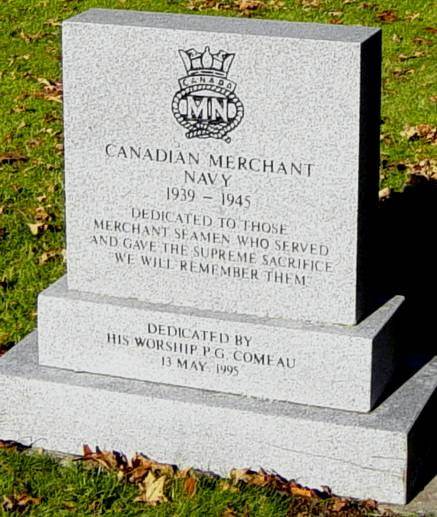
<point>222,164</point>
<point>381,455</point>
<point>325,365</point>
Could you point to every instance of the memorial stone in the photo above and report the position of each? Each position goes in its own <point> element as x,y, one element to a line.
<point>221,181</point>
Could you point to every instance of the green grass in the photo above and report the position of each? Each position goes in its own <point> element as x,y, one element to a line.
<point>31,190</point>
<point>71,488</point>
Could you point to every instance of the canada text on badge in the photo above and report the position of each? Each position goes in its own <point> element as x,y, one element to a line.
<point>206,104</point>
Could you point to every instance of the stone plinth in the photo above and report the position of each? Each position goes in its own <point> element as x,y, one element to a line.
<point>329,366</point>
<point>378,455</point>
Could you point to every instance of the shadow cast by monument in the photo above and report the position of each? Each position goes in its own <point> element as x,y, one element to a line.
<point>406,233</point>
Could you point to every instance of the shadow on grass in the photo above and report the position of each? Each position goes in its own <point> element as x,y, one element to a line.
<point>407,265</point>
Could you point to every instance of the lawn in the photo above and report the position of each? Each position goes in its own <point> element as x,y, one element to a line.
<point>105,483</point>
<point>31,185</point>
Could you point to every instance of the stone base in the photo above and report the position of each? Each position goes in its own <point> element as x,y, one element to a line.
<point>328,366</point>
<point>376,455</point>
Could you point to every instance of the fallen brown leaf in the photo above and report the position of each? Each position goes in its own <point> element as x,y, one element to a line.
<point>384,193</point>
<point>426,169</point>
<point>243,475</point>
<point>152,490</point>
<point>190,485</point>
<point>250,5</point>
<point>402,72</point>
<point>41,214</point>
<point>10,158</point>
<point>424,132</point>
<point>37,228</point>
<point>110,460</point>
<point>310,3</point>
<point>226,485</point>
<point>52,22</point>
<point>28,38</point>
<point>422,41</point>
<point>260,478</point>
<point>412,16</point>
<point>339,505</point>
<point>387,16</point>
<point>298,490</point>
<point>19,503</point>
<point>370,504</point>
<point>415,55</point>
<point>11,444</point>
<point>52,90</point>
<point>49,255</point>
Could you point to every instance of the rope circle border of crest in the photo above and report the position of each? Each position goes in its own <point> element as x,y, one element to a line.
<point>221,129</point>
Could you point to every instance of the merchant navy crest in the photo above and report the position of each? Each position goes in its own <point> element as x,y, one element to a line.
<point>206,105</point>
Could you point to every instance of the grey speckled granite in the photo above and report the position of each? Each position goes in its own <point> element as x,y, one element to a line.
<point>297,30</point>
<point>378,455</point>
<point>329,366</point>
<point>302,162</point>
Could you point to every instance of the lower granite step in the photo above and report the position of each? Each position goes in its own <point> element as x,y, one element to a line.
<point>381,455</point>
<point>321,365</point>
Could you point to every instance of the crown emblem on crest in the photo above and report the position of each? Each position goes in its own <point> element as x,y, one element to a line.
<point>206,105</point>
<point>206,63</point>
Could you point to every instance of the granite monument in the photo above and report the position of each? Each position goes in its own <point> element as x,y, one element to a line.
<point>221,181</point>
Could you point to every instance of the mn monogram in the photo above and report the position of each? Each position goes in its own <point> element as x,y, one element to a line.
<point>206,104</point>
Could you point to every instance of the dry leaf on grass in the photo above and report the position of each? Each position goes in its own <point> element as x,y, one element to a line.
<point>37,228</point>
<point>422,170</point>
<point>414,55</point>
<point>49,255</point>
<point>190,486</point>
<point>260,478</point>
<point>245,7</point>
<point>18,503</point>
<point>340,505</point>
<point>41,214</point>
<point>301,491</point>
<point>227,486</point>
<point>152,490</point>
<point>422,41</point>
<point>387,16</point>
<point>384,193</point>
<point>10,158</point>
<point>424,132</point>
<point>250,5</point>
<point>11,444</point>
<point>52,90</point>
<point>310,3</point>
<point>134,470</point>
<point>110,460</point>
<point>403,72</point>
